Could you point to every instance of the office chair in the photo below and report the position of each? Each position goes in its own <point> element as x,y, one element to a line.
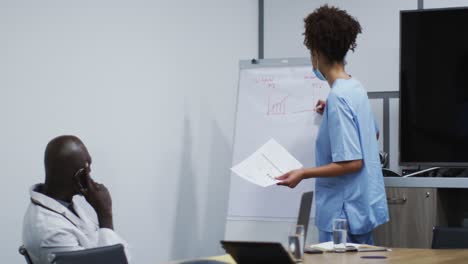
<point>111,254</point>
<point>22,250</point>
<point>200,261</point>
<point>222,259</point>
<point>304,211</point>
<point>449,238</point>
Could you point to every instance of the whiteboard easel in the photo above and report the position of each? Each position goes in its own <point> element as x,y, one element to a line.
<point>276,99</point>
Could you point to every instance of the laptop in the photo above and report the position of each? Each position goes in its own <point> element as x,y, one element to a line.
<point>304,211</point>
<point>244,252</point>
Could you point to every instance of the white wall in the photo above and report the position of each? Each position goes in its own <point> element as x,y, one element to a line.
<point>375,61</point>
<point>267,230</point>
<point>150,87</point>
<point>375,64</point>
<point>445,3</point>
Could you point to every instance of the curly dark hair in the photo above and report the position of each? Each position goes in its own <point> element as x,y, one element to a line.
<point>331,31</point>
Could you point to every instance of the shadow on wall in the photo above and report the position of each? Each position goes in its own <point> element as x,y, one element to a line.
<point>185,235</point>
<point>187,241</point>
<point>217,196</point>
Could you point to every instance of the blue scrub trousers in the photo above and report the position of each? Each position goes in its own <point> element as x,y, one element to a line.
<point>357,239</point>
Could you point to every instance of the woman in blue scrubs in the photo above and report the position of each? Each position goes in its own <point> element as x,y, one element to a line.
<point>349,180</point>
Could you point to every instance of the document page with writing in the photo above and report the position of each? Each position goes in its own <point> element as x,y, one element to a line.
<point>264,165</point>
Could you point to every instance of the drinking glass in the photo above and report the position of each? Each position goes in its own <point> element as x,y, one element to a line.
<point>296,241</point>
<point>340,229</point>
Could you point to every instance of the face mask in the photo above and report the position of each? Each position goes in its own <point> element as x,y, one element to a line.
<point>318,73</point>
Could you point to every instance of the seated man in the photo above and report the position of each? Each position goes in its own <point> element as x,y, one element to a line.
<point>57,219</point>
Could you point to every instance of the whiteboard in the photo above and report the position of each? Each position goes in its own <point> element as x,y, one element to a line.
<point>276,99</point>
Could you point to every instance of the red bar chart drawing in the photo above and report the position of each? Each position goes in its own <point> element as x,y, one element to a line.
<point>277,104</point>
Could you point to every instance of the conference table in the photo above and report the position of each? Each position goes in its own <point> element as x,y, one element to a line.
<point>408,256</point>
<point>397,255</point>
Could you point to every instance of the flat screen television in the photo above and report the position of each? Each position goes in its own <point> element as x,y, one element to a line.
<point>434,87</point>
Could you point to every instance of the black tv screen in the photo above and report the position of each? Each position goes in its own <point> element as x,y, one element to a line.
<point>434,87</point>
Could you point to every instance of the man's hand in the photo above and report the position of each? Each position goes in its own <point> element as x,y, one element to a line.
<point>100,199</point>
<point>320,106</point>
<point>291,179</point>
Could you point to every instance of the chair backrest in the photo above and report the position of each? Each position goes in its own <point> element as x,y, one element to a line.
<point>201,261</point>
<point>111,254</point>
<point>22,250</point>
<point>450,238</point>
<point>304,211</point>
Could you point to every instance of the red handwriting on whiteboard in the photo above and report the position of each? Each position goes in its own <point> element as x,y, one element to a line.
<point>265,79</point>
<point>310,77</point>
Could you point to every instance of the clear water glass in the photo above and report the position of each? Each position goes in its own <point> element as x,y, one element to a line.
<point>340,229</point>
<point>296,241</point>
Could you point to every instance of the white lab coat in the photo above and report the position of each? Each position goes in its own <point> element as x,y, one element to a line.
<point>49,226</point>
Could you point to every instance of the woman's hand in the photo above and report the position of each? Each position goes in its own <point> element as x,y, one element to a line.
<point>291,179</point>
<point>320,106</point>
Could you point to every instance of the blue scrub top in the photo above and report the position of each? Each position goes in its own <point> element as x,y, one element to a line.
<point>348,132</point>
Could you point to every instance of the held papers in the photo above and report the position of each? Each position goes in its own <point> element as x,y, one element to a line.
<point>267,163</point>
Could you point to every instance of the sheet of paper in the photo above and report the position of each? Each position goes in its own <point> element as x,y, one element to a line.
<point>325,246</point>
<point>267,163</point>
<point>328,246</point>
